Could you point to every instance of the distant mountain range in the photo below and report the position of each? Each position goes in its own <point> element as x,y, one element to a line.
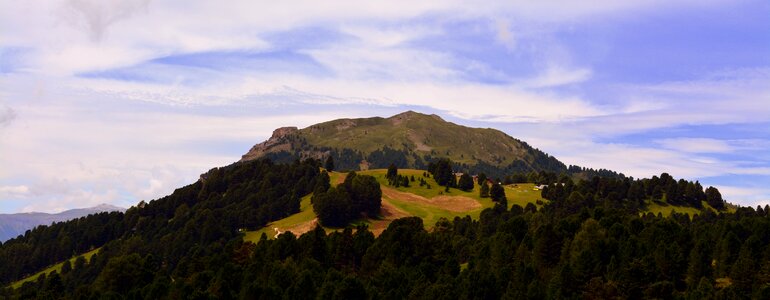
<point>13,225</point>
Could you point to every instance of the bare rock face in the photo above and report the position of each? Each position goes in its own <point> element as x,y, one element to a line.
<point>276,143</point>
<point>283,131</point>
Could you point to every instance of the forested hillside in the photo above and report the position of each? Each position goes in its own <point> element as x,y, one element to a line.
<point>12,225</point>
<point>588,241</point>
<point>200,216</point>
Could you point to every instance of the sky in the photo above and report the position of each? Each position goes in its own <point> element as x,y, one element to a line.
<point>118,101</point>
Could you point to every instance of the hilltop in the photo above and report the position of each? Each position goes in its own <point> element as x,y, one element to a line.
<point>408,140</point>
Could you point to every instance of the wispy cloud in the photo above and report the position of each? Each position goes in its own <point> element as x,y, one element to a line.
<point>557,76</point>
<point>13,191</point>
<point>7,115</point>
<point>697,145</point>
<point>98,15</point>
<point>139,96</point>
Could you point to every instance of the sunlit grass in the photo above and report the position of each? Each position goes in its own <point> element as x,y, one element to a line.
<point>56,267</point>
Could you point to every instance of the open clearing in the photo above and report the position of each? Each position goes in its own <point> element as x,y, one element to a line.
<point>451,203</point>
<point>430,204</point>
<point>665,209</point>
<point>522,194</point>
<point>298,223</point>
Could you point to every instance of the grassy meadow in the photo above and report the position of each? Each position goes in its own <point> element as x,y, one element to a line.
<point>56,267</point>
<point>430,204</point>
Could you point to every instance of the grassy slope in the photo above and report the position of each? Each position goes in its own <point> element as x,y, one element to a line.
<point>461,144</point>
<point>520,194</point>
<point>306,214</point>
<point>56,267</point>
<point>665,209</point>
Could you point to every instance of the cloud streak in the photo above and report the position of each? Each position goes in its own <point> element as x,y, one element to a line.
<point>140,97</point>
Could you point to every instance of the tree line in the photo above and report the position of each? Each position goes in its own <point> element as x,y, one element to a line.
<point>337,206</point>
<point>189,245</point>
<point>598,253</point>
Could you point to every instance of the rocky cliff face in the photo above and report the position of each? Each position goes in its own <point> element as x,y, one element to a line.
<point>279,141</point>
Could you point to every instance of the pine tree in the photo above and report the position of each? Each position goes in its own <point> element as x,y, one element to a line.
<point>484,190</point>
<point>465,183</point>
<point>714,198</point>
<point>392,172</point>
<point>497,192</point>
<point>329,165</point>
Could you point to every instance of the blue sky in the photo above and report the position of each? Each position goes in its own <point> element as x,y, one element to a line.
<point>117,101</point>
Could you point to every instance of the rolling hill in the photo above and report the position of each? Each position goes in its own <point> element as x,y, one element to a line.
<point>409,140</point>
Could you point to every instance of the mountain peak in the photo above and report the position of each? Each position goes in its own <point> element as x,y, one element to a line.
<point>107,207</point>
<point>410,114</point>
<point>408,139</point>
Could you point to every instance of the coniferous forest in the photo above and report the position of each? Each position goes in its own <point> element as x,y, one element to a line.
<point>589,241</point>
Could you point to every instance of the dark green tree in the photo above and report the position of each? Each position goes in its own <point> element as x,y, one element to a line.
<point>497,192</point>
<point>366,195</point>
<point>333,207</point>
<point>329,164</point>
<point>714,198</point>
<point>392,172</point>
<point>465,182</point>
<point>481,178</point>
<point>484,193</point>
<point>442,172</point>
<point>322,183</point>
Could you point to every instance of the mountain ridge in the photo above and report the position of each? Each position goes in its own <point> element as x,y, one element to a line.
<point>408,140</point>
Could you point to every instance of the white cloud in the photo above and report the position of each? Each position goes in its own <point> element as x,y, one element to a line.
<point>709,145</point>
<point>558,76</point>
<point>71,150</point>
<point>747,196</point>
<point>136,30</point>
<point>81,143</point>
<point>697,145</point>
<point>13,191</point>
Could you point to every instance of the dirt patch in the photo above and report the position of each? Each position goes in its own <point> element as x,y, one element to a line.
<point>451,203</point>
<point>339,180</point>
<point>419,146</point>
<point>388,213</point>
<point>298,229</point>
<point>456,203</point>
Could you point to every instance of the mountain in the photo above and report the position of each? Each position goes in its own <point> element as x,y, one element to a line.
<point>408,140</point>
<point>235,233</point>
<point>12,225</point>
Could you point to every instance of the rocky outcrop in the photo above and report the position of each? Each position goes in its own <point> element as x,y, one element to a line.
<point>280,141</point>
